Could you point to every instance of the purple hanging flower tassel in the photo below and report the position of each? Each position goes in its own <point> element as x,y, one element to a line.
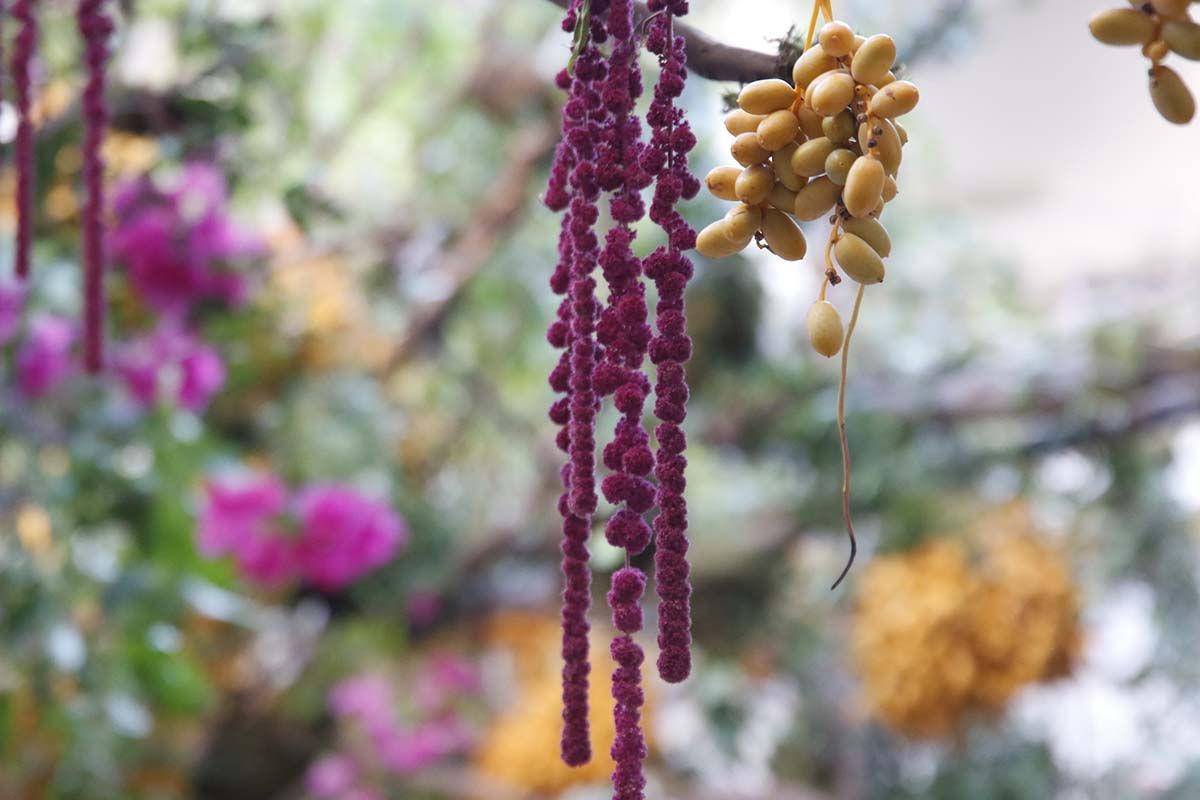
<point>95,27</point>
<point>625,335</point>
<point>24,49</point>
<point>629,746</point>
<point>623,329</point>
<point>573,188</point>
<point>576,745</point>
<point>670,269</point>
<point>3,18</point>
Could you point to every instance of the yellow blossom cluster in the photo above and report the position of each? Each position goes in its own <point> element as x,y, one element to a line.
<point>957,626</point>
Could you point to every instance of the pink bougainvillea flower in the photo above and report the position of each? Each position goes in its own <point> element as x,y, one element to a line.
<point>364,697</point>
<point>12,301</point>
<point>393,740</point>
<point>268,560</point>
<point>405,752</point>
<point>171,364</point>
<point>330,535</point>
<point>199,190</point>
<point>236,511</point>
<point>344,535</point>
<point>45,359</point>
<point>203,376</point>
<point>332,776</point>
<point>178,242</point>
<point>443,678</point>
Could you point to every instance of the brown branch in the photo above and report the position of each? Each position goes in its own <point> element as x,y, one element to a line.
<point>495,218</point>
<point>710,59</point>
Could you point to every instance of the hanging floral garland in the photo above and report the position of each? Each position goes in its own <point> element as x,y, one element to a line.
<point>605,347</point>
<point>95,29</point>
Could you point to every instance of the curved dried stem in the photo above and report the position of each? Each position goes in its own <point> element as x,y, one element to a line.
<point>841,422</point>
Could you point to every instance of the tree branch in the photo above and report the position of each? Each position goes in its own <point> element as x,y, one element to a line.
<point>710,59</point>
<point>495,217</point>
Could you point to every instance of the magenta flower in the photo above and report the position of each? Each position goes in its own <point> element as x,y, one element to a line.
<point>344,535</point>
<point>404,752</point>
<point>328,535</point>
<point>236,512</point>
<point>444,677</point>
<point>12,301</point>
<point>364,697</point>
<point>387,739</point>
<point>45,360</point>
<point>171,364</point>
<point>160,269</point>
<point>332,776</point>
<point>200,190</point>
<point>268,560</point>
<point>177,243</point>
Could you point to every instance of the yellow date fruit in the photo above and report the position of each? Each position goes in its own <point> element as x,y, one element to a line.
<point>1182,37</point>
<point>783,235</point>
<point>872,232</point>
<point>713,243</point>
<point>720,182</point>
<point>766,96</point>
<point>832,93</point>
<point>746,150</point>
<point>809,158</point>
<point>778,130</point>
<point>738,122</point>
<point>754,184</point>
<point>1171,9</point>
<point>890,189</point>
<point>1121,26</point>
<point>810,122</point>
<point>781,162</point>
<point>838,164</point>
<point>824,328</point>
<point>839,128</point>
<point>742,221</point>
<point>782,197</point>
<point>887,143</point>
<point>894,100</point>
<point>874,59</point>
<point>837,38</point>
<point>864,186</point>
<point>1171,96</point>
<point>816,199</point>
<point>812,62</point>
<point>858,260</point>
